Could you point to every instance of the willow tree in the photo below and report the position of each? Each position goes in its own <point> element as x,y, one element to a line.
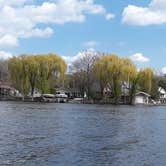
<point>130,76</point>
<point>50,65</point>
<point>19,74</point>
<point>101,72</point>
<point>108,70</point>
<point>116,75</point>
<point>32,72</point>
<point>114,70</point>
<point>57,68</point>
<point>145,79</point>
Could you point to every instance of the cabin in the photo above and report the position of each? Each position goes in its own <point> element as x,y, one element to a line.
<point>141,98</point>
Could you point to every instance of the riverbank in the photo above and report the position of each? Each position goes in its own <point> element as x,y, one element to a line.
<point>71,101</point>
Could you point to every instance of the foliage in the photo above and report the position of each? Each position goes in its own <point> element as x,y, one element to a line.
<point>4,73</point>
<point>90,73</point>
<point>145,79</point>
<point>113,70</point>
<point>155,90</point>
<point>35,71</point>
<point>162,82</point>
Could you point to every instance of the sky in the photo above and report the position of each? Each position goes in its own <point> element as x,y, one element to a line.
<point>128,28</point>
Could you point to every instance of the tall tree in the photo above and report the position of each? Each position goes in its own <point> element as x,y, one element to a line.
<point>35,71</point>
<point>82,68</point>
<point>130,76</point>
<point>101,72</point>
<point>19,74</point>
<point>109,71</point>
<point>50,65</point>
<point>32,71</point>
<point>4,73</point>
<point>155,90</point>
<point>145,79</point>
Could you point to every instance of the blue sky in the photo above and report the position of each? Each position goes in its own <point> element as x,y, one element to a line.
<point>130,28</point>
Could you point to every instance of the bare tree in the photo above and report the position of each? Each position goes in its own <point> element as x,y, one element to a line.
<point>82,70</point>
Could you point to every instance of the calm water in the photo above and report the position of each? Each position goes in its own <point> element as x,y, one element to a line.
<point>81,135</point>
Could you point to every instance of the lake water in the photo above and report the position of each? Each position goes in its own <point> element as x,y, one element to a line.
<point>33,134</point>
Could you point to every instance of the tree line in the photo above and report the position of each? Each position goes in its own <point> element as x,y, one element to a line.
<point>91,73</point>
<point>110,71</point>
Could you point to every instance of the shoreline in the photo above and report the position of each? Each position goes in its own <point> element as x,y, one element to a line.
<point>29,100</point>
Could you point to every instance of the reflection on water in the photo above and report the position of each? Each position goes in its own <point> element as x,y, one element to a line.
<point>85,135</point>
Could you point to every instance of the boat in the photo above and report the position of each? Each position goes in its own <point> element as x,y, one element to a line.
<point>48,97</point>
<point>61,98</point>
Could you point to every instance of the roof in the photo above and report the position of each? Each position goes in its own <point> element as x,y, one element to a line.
<point>6,85</point>
<point>142,93</point>
<point>162,91</point>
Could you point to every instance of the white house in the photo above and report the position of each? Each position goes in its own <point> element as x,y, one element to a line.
<point>162,94</point>
<point>141,98</point>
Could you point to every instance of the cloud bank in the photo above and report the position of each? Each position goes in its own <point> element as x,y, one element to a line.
<point>23,18</point>
<point>153,14</point>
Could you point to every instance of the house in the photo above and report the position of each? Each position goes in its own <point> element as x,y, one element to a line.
<point>7,91</point>
<point>141,98</point>
<point>162,95</point>
<point>107,91</point>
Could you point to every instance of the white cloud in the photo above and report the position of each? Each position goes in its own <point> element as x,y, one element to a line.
<point>5,55</point>
<point>70,59</point>
<point>38,33</point>
<point>139,57</point>
<point>91,44</point>
<point>12,2</point>
<point>20,18</point>
<point>109,16</point>
<point>153,14</point>
<point>163,70</point>
<point>8,41</point>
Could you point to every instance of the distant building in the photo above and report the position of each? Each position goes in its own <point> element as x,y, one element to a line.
<point>107,91</point>
<point>7,91</point>
<point>141,98</point>
<point>162,95</point>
